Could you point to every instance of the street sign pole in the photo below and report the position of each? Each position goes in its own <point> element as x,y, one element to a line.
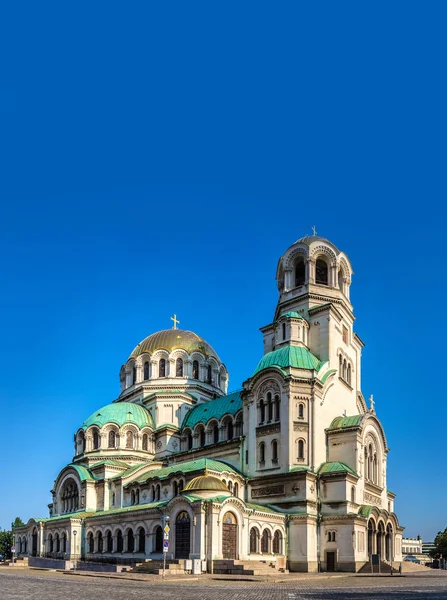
<point>165,543</point>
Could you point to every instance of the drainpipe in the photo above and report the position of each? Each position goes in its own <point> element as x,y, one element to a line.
<point>318,523</point>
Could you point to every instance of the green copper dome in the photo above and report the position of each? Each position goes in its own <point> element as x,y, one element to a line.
<point>292,314</point>
<point>120,413</point>
<point>289,356</point>
<point>172,339</point>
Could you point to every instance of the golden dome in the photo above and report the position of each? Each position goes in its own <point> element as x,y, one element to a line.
<point>173,339</point>
<point>206,483</point>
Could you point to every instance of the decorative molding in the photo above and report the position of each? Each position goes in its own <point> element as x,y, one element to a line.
<point>300,427</point>
<point>268,429</point>
<point>370,499</point>
<point>272,490</point>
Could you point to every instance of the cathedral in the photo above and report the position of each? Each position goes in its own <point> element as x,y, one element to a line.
<point>291,469</point>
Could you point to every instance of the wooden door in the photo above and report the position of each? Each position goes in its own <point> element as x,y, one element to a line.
<point>330,561</point>
<point>182,535</point>
<point>229,536</point>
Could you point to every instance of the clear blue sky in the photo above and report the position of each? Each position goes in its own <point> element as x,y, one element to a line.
<point>159,158</point>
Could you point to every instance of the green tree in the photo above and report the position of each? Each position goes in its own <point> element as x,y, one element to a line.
<point>17,523</point>
<point>5,543</point>
<point>440,545</point>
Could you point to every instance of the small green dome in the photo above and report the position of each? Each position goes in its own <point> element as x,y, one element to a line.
<point>289,356</point>
<point>206,483</point>
<point>292,314</point>
<point>120,413</point>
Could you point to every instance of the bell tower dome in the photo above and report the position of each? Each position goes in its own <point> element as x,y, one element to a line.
<point>310,273</point>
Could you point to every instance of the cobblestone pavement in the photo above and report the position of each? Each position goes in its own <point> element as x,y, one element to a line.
<point>45,585</point>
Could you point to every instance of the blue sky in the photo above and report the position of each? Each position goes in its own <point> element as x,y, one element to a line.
<point>160,158</point>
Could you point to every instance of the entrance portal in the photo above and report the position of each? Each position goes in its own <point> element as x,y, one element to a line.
<point>182,535</point>
<point>330,561</point>
<point>229,536</point>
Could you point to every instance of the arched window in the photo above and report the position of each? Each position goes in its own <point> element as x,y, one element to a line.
<point>100,542</point>
<point>90,542</point>
<point>215,432</point>
<point>269,407</point>
<point>134,375</point>
<point>158,492</point>
<point>301,449</point>
<point>175,488</point>
<point>145,441</point>
<point>58,542</point>
<point>276,408</point>
<point>352,494</point>
<point>229,429</point>
<point>95,439</point>
<point>119,541</point>
<point>112,439</point>
<point>179,367</point>
<point>137,497</point>
<point>189,440</point>
<point>132,497</point>
<point>275,451</point>
<point>230,486</point>
<point>265,541</point>
<point>64,542</point>
<point>141,540</point>
<point>50,543</point>
<point>254,540</point>
<point>262,411</point>
<point>375,470</point>
<point>129,439</point>
<point>195,369</point>
<point>109,541</point>
<point>158,541</point>
<point>277,543</point>
<point>348,379</point>
<point>300,272</point>
<point>146,371</point>
<point>344,369</point>
<point>321,272</point>
<point>262,453</point>
<point>283,331</point>
<point>236,490</point>
<point>130,541</point>
<point>162,368</point>
<point>209,374</point>
<point>300,411</point>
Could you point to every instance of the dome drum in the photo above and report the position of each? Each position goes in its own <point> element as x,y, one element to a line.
<point>177,356</point>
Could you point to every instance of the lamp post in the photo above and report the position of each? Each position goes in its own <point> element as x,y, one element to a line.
<point>75,533</point>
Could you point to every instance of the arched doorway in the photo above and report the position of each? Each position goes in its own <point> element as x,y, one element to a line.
<point>34,550</point>
<point>182,535</point>
<point>370,537</point>
<point>380,540</point>
<point>158,546</point>
<point>229,536</point>
<point>389,543</point>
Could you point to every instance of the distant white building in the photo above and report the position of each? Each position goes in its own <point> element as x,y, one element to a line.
<point>412,545</point>
<point>291,469</point>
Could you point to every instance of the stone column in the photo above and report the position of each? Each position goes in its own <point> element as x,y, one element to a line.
<point>311,269</point>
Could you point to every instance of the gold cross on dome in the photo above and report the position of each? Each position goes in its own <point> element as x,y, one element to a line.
<point>174,318</point>
<point>314,230</point>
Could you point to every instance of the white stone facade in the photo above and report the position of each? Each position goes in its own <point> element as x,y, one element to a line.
<point>294,464</point>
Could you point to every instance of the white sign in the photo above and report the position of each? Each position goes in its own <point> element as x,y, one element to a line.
<point>13,548</point>
<point>165,546</point>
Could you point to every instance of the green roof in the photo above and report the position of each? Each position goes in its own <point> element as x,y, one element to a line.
<point>327,375</point>
<point>129,471</point>
<point>365,510</point>
<point>289,356</point>
<point>120,413</point>
<point>346,422</point>
<point>262,508</point>
<point>292,314</point>
<point>216,409</point>
<point>111,462</point>
<point>84,473</point>
<point>189,466</point>
<point>335,467</point>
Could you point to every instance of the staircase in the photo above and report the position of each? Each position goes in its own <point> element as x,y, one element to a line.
<point>246,567</point>
<point>155,567</point>
<point>385,568</point>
